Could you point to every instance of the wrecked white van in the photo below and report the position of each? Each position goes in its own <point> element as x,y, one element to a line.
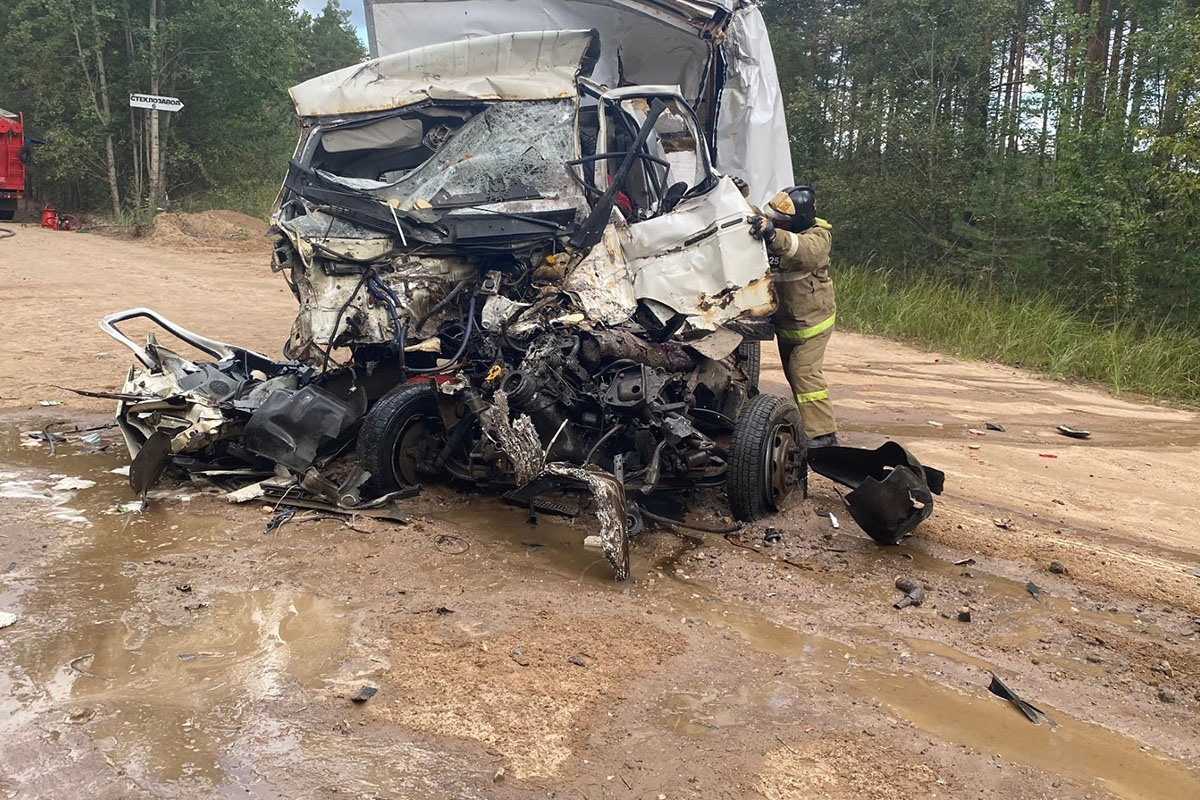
<point>518,266</point>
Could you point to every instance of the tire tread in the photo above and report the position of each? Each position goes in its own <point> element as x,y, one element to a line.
<point>746,475</point>
<point>374,449</point>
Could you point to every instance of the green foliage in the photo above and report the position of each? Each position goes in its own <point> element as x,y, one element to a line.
<point>1033,330</point>
<point>330,42</point>
<point>1011,147</point>
<point>230,62</point>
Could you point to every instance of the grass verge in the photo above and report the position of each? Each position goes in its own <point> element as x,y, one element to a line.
<point>1036,332</point>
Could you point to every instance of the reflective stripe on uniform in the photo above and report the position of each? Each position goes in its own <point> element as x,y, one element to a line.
<point>789,277</point>
<point>812,397</point>
<point>794,247</point>
<point>800,334</point>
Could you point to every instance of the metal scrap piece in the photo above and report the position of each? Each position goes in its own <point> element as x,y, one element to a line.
<point>1031,712</point>
<point>610,511</point>
<point>518,438</point>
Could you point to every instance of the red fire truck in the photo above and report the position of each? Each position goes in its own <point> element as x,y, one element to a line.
<point>14,153</point>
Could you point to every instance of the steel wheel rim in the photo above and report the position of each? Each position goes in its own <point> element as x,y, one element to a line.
<point>780,464</point>
<point>406,453</point>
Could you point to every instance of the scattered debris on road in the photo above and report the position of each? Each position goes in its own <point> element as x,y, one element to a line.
<point>994,426</point>
<point>1058,568</point>
<point>1031,712</point>
<point>914,592</point>
<point>364,693</point>
<point>892,490</point>
<point>1074,433</point>
<point>1034,590</point>
<point>833,520</point>
<point>7,618</point>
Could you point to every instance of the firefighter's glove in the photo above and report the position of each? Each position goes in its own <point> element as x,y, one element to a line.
<point>741,185</point>
<point>762,228</point>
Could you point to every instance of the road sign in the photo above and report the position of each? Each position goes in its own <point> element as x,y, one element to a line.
<point>155,102</point>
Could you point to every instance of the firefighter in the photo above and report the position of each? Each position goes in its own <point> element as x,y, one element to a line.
<point>804,321</point>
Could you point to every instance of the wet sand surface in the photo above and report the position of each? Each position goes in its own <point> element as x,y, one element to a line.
<point>184,651</point>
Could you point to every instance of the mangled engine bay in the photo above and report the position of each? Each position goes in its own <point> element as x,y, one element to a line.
<point>525,282</point>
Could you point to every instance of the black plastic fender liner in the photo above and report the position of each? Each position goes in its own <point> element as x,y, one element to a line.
<point>892,490</point>
<point>290,427</point>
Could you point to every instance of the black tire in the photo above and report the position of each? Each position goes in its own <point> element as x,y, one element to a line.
<point>749,358</point>
<point>633,520</point>
<point>404,421</point>
<point>766,457</point>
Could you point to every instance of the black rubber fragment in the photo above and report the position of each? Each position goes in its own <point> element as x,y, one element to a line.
<point>1031,712</point>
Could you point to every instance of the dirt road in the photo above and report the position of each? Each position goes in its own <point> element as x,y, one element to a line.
<point>188,652</point>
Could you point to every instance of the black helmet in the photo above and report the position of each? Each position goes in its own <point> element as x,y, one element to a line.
<point>795,207</point>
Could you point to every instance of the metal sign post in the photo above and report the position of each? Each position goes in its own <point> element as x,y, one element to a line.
<point>155,102</point>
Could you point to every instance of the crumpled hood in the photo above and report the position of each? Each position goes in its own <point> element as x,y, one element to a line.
<point>532,65</point>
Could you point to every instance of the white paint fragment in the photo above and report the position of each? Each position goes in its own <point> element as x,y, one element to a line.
<point>246,493</point>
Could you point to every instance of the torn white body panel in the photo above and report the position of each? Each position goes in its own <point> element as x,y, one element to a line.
<point>701,261</point>
<point>642,42</point>
<point>752,137</point>
<point>601,282</point>
<point>538,65</point>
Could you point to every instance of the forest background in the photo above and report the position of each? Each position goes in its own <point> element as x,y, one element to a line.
<point>1016,180</point>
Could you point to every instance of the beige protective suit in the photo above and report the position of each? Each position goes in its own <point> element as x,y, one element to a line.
<point>804,321</point>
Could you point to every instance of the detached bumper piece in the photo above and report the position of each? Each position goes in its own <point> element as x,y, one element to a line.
<point>892,491</point>
<point>239,418</point>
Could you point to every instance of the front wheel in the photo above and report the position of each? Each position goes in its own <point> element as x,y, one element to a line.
<point>398,434</point>
<point>766,457</point>
<point>749,358</point>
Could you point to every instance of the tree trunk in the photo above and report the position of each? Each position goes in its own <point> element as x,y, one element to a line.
<point>1014,127</point>
<point>1097,61</point>
<point>155,150</point>
<point>1111,90</point>
<point>1127,71</point>
<point>164,128</point>
<point>136,185</point>
<point>1002,110</point>
<point>1045,89</point>
<point>98,92</point>
<point>977,105</point>
<point>106,117</point>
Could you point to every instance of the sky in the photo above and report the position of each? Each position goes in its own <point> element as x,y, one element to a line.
<point>355,7</point>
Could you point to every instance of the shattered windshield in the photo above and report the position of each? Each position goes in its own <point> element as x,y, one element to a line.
<point>508,151</point>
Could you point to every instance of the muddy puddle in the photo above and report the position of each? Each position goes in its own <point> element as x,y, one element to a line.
<point>188,685</point>
<point>163,674</point>
<point>1077,751</point>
